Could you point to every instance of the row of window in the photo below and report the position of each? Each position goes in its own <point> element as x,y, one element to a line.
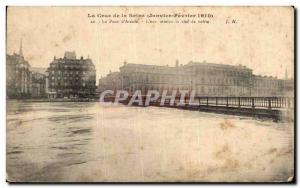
<point>224,73</point>
<point>202,89</point>
<point>197,71</point>
<point>66,78</point>
<point>72,72</point>
<point>267,84</point>
<point>68,84</point>
<point>183,80</point>
<point>71,66</point>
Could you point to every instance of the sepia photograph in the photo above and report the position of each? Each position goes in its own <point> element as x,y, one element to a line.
<point>150,94</point>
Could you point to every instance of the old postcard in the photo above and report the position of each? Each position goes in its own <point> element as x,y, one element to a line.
<point>150,94</point>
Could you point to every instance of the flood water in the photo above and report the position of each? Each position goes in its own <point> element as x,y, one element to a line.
<point>96,142</point>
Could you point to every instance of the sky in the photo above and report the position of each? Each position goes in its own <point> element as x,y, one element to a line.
<point>262,38</point>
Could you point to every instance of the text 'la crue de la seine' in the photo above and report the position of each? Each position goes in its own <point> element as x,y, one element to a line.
<point>150,18</point>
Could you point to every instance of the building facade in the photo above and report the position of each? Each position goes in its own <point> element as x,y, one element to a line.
<point>18,76</point>
<point>219,80</point>
<point>112,81</point>
<point>206,79</point>
<point>69,77</point>
<point>38,85</point>
<point>288,87</point>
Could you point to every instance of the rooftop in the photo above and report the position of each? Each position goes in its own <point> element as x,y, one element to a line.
<point>191,63</point>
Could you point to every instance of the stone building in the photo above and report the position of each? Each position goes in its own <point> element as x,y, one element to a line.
<point>211,79</point>
<point>206,79</point>
<point>18,76</point>
<point>38,85</point>
<point>112,81</point>
<point>153,77</point>
<point>266,86</point>
<point>288,87</point>
<point>69,77</point>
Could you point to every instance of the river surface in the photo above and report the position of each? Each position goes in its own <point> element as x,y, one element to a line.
<point>94,142</point>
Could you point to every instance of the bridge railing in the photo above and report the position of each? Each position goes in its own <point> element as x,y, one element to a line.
<point>241,102</point>
<point>251,102</point>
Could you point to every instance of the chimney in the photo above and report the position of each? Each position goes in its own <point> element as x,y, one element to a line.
<point>177,62</point>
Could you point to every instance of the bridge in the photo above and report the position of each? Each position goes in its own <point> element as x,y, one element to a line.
<point>277,108</point>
